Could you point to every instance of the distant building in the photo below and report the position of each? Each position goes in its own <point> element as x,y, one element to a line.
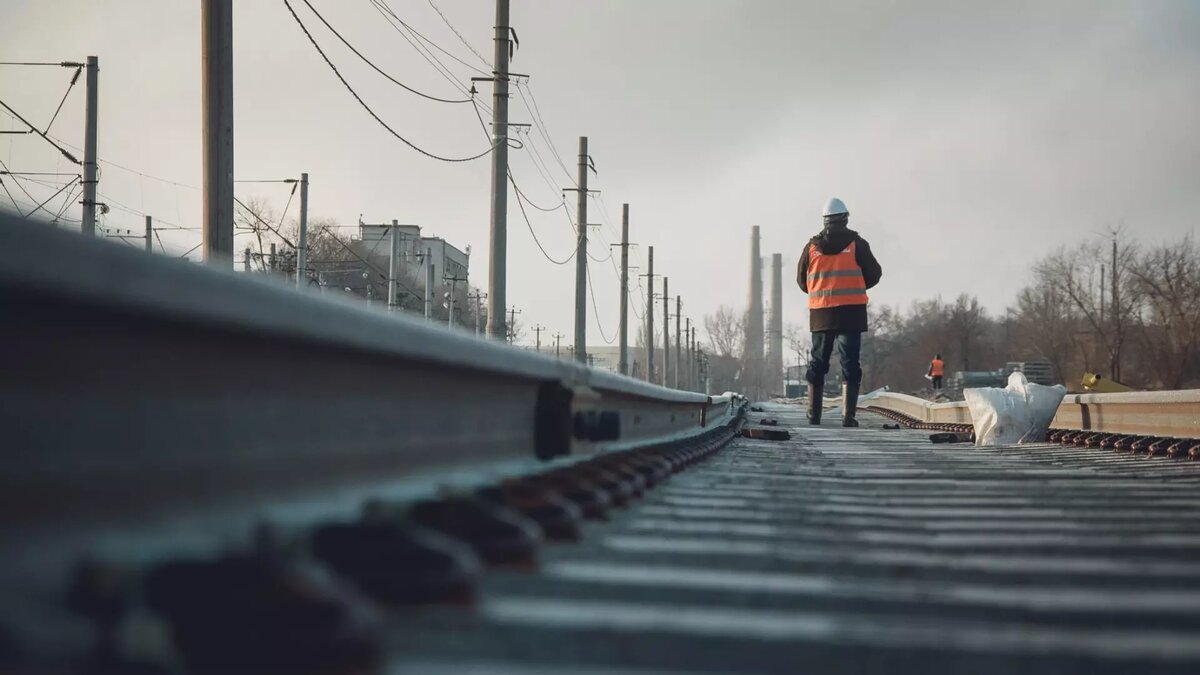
<point>450,262</point>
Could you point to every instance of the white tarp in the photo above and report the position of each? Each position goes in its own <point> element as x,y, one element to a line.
<point>1019,413</point>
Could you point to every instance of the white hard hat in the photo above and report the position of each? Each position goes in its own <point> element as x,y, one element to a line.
<point>835,207</point>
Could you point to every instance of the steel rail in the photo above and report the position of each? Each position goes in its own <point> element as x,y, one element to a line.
<point>195,384</point>
<point>152,405</point>
<point>1166,414</point>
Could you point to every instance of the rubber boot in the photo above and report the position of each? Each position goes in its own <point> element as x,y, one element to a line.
<point>849,404</point>
<point>815,393</point>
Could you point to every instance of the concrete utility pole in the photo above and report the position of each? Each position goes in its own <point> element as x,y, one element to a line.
<point>429,283</point>
<point>88,225</point>
<point>498,260</point>
<point>623,343</point>
<point>538,328</point>
<point>581,255</point>
<point>511,328</point>
<point>217,59</point>
<point>450,301</point>
<point>695,362</point>
<point>478,297</point>
<point>1116,315</point>
<point>393,268</point>
<point>689,373</point>
<point>775,328</point>
<point>246,260</point>
<point>753,367</point>
<point>666,298</point>
<point>678,338</point>
<point>149,234</point>
<point>302,248</point>
<point>273,263</point>
<point>649,313</point>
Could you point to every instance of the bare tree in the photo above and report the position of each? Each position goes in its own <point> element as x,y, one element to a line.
<point>1167,278</point>
<point>726,332</point>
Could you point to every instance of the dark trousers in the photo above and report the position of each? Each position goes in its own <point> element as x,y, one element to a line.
<point>937,381</point>
<point>849,345</point>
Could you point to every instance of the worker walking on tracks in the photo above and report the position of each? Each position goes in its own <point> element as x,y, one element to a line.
<point>836,269</point>
<point>937,370</point>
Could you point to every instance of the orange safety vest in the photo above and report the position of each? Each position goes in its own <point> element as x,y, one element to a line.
<point>835,279</point>
<point>937,368</point>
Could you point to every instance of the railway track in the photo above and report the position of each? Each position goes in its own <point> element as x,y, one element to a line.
<point>210,475</point>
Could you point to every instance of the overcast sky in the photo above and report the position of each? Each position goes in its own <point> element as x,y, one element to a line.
<point>965,137</point>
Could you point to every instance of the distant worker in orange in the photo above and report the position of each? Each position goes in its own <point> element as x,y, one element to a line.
<point>836,269</point>
<point>937,369</point>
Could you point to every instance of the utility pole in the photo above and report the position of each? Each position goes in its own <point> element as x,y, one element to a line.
<point>149,234</point>
<point>538,328</point>
<point>88,224</point>
<point>497,271</point>
<point>302,248</point>
<point>217,60</point>
<point>1116,315</point>
<point>649,313</point>
<point>477,296</point>
<point>511,328</point>
<point>557,344</point>
<point>678,336</point>
<point>691,374</point>
<point>450,300</point>
<point>246,260</point>
<point>429,284</point>
<point>666,298</point>
<point>775,383</point>
<point>623,344</point>
<point>393,267</point>
<point>581,255</point>
<point>695,362</point>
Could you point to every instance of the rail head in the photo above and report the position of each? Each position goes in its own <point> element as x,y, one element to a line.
<point>192,384</point>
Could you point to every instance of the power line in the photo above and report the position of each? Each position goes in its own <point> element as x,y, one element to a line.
<point>377,68</point>
<point>74,79</point>
<point>409,36</point>
<point>61,64</point>
<point>41,133</point>
<point>522,86</point>
<point>460,36</point>
<point>596,311</point>
<point>520,203</point>
<point>265,223</point>
<point>385,7</point>
<point>367,107</point>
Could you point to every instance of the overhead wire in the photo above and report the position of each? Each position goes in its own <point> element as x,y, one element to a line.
<point>520,204</point>
<point>383,6</point>
<point>366,107</point>
<point>74,79</point>
<point>596,310</point>
<point>41,133</point>
<point>414,40</point>
<point>376,68</point>
<point>460,35</point>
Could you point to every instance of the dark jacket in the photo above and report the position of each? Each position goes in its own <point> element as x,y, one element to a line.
<point>847,318</point>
